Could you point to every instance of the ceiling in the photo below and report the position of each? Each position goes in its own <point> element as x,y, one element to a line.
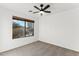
<point>25,7</point>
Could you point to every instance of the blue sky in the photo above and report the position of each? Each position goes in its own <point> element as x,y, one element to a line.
<point>21,23</point>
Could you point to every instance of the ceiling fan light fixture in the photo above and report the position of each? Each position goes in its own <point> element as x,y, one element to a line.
<point>41,13</point>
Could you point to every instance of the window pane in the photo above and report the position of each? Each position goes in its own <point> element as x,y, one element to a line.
<point>18,28</point>
<point>29,29</point>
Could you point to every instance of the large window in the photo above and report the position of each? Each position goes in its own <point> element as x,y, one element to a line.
<point>22,27</point>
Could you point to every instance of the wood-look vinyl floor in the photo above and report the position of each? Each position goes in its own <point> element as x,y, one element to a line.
<point>40,49</point>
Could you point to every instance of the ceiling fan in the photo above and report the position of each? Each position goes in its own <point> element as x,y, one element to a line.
<point>41,9</point>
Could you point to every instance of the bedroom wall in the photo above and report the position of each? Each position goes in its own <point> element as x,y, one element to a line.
<point>61,29</point>
<point>6,41</point>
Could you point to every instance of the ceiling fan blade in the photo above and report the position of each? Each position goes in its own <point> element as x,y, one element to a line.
<point>36,12</point>
<point>36,7</point>
<point>47,11</point>
<point>30,11</point>
<point>46,7</point>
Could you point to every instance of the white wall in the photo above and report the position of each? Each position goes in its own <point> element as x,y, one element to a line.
<point>61,29</point>
<point>6,42</point>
